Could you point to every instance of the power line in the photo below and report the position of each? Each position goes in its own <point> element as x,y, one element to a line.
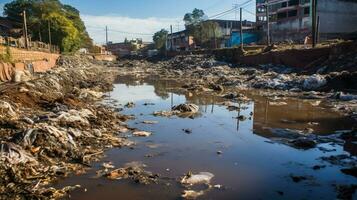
<point>223,13</point>
<point>249,12</point>
<point>119,31</point>
<point>235,8</point>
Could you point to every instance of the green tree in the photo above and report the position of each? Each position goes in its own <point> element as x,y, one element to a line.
<point>207,33</point>
<point>160,39</point>
<point>194,18</point>
<point>68,30</point>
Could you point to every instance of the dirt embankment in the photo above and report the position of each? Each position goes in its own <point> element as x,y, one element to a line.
<point>53,125</point>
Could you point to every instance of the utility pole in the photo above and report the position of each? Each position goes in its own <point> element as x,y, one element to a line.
<point>313,23</point>
<point>214,36</point>
<point>49,35</point>
<point>25,29</point>
<point>106,35</point>
<point>318,30</point>
<point>241,30</point>
<point>171,39</point>
<point>267,19</point>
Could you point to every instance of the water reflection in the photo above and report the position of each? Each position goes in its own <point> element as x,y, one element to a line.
<point>249,167</point>
<point>269,114</point>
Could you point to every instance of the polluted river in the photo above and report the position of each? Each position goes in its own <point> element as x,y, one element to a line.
<point>249,149</point>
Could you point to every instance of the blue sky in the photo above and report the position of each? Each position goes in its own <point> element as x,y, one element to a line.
<point>128,18</point>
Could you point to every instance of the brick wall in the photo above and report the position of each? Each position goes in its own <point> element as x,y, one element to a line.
<point>41,61</point>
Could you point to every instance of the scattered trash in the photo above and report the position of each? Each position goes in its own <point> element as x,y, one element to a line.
<point>150,122</point>
<point>191,194</point>
<point>200,178</point>
<point>133,171</point>
<point>130,105</point>
<point>142,133</point>
<point>186,108</point>
<point>187,130</point>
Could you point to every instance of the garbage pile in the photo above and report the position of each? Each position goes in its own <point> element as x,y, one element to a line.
<point>52,126</point>
<point>193,61</point>
<point>204,68</point>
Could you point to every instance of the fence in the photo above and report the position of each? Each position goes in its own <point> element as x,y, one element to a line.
<point>32,45</point>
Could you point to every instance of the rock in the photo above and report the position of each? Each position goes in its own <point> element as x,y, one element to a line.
<point>187,130</point>
<point>346,191</point>
<point>130,105</point>
<point>350,171</point>
<point>318,167</point>
<point>90,94</point>
<point>242,118</point>
<point>186,108</point>
<point>142,133</point>
<point>303,143</point>
<point>216,87</point>
<point>297,179</point>
<point>200,178</point>
<point>97,132</point>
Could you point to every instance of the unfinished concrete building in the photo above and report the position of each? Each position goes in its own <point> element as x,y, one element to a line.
<point>292,19</point>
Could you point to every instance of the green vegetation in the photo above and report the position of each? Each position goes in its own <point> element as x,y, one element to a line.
<point>192,19</point>
<point>6,57</point>
<point>160,39</point>
<point>67,29</point>
<point>204,32</point>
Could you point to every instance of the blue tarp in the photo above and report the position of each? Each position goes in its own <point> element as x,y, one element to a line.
<point>247,39</point>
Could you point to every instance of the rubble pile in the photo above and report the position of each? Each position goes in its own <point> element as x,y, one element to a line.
<point>193,61</point>
<point>204,74</point>
<point>52,126</point>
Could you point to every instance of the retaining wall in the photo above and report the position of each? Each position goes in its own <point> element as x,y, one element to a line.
<point>41,61</point>
<point>300,58</point>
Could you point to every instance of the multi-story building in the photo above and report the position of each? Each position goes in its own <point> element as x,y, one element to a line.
<point>179,41</point>
<point>292,19</point>
<point>229,29</point>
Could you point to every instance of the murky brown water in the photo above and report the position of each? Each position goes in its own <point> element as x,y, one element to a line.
<point>250,167</point>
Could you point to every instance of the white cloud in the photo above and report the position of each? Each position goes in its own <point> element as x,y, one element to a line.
<point>125,27</point>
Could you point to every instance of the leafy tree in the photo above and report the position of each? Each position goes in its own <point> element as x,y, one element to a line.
<point>203,32</point>
<point>194,18</point>
<point>206,32</point>
<point>67,28</point>
<point>160,39</point>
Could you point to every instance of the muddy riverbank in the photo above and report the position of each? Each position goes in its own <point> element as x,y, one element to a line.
<point>53,125</point>
<point>190,127</point>
<point>205,74</point>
